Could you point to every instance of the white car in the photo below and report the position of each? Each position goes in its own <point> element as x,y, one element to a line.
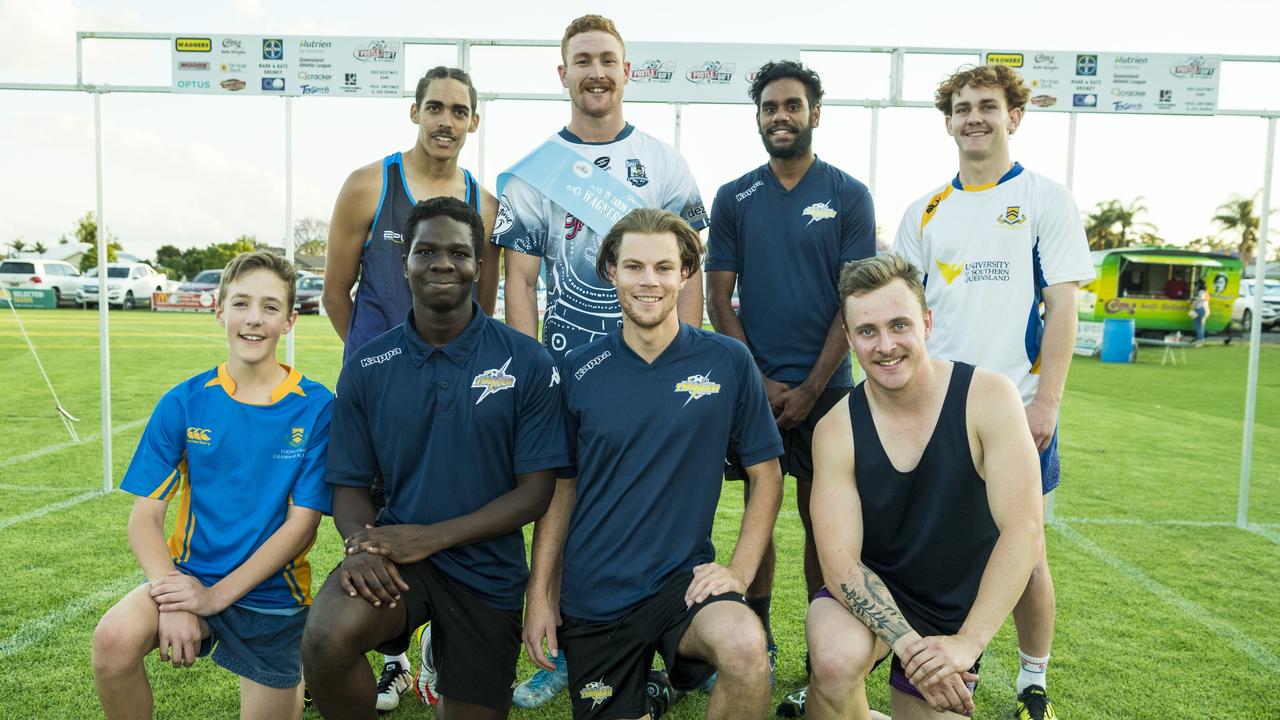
<point>39,274</point>
<point>127,285</point>
<point>1242,308</point>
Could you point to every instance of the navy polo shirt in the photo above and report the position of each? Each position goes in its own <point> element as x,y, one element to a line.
<point>449,429</point>
<point>648,442</point>
<point>787,247</point>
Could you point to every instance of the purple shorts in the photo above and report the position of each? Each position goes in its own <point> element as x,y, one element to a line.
<point>897,676</point>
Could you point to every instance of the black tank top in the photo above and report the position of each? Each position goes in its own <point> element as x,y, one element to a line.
<point>927,533</point>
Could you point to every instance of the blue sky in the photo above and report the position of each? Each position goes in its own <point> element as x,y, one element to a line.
<point>194,170</point>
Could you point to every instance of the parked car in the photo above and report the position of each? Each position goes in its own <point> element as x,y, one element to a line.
<point>127,285</point>
<point>204,281</point>
<point>38,274</point>
<point>1242,308</point>
<point>307,300</point>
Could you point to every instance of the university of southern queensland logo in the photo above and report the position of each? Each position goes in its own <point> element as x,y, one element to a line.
<point>1013,216</point>
<point>698,386</point>
<point>493,381</point>
<point>199,435</point>
<point>636,174</point>
<point>950,271</point>
<point>818,211</point>
<point>597,692</point>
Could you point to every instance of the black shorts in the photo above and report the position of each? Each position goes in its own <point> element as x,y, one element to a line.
<point>609,660</point>
<point>797,443</point>
<point>475,645</point>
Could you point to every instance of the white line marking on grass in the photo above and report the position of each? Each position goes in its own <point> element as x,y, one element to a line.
<point>48,449</point>
<point>1142,522</point>
<point>1262,531</point>
<point>6,487</point>
<point>1220,628</point>
<point>33,631</point>
<point>12,520</point>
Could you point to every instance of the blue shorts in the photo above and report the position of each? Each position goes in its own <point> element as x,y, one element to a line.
<point>262,647</point>
<point>1050,466</point>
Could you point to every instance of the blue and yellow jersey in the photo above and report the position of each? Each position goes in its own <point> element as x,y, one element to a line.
<point>235,468</point>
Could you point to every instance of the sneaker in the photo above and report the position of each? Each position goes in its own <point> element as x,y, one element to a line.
<point>773,661</point>
<point>393,681</point>
<point>661,695</point>
<point>1033,704</point>
<point>793,704</point>
<point>424,681</point>
<point>306,697</point>
<point>542,685</point>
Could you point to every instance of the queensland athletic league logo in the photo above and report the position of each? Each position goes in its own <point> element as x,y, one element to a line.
<point>493,381</point>
<point>1013,216</point>
<point>597,692</point>
<point>818,211</point>
<point>698,386</point>
<point>636,174</point>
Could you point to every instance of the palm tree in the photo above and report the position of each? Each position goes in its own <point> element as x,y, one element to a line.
<point>1114,224</point>
<point>1238,214</point>
<point>40,247</point>
<point>18,245</point>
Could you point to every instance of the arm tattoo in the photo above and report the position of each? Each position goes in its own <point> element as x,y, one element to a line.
<point>871,602</point>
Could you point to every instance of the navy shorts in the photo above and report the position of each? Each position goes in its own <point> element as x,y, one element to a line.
<point>797,443</point>
<point>1050,466</point>
<point>263,647</point>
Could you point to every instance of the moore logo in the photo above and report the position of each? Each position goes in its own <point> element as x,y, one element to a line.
<point>193,84</point>
<point>591,365</point>
<point>379,359</point>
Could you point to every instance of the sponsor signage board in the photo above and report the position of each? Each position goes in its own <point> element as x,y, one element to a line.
<point>698,72</point>
<point>182,301</point>
<point>1116,83</point>
<point>287,65</point>
<point>27,298</point>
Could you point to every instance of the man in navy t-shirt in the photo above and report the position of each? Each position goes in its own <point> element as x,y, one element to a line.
<point>651,408</point>
<point>781,233</point>
<point>462,417</point>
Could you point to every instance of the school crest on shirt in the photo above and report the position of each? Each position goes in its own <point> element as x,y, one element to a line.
<point>636,174</point>
<point>493,381</point>
<point>296,436</point>
<point>1013,216</point>
<point>818,211</point>
<point>294,447</point>
<point>698,386</point>
<point>597,692</point>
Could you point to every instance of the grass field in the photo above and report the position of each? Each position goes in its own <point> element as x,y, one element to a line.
<point>1165,608</point>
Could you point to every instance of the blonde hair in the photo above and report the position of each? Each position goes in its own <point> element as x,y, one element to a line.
<point>589,23</point>
<point>863,276</point>
<point>983,76</point>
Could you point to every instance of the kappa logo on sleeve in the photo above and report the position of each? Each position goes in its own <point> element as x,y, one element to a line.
<point>379,359</point>
<point>493,381</point>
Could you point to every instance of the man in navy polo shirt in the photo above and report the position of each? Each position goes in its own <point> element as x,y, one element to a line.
<point>781,233</point>
<point>462,417</point>
<point>651,407</point>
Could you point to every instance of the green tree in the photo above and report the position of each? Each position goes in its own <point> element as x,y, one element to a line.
<point>1210,243</point>
<point>90,257</point>
<point>1239,215</point>
<point>1113,224</point>
<point>40,247</point>
<point>87,232</point>
<point>17,245</point>
<point>311,236</point>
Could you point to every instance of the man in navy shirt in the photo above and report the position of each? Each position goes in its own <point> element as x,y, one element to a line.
<point>781,234</point>
<point>651,408</point>
<point>462,417</point>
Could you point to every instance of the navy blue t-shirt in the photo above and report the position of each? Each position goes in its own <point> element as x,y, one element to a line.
<point>449,429</point>
<point>648,443</point>
<point>787,247</point>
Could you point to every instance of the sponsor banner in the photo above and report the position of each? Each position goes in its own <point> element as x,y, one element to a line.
<point>698,72</point>
<point>27,298</point>
<point>182,301</point>
<point>288,65</point>
<point>1117,83</point>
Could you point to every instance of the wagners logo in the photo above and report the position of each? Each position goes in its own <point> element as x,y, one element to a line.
<point>1006,59</point>
<point>193,44</point>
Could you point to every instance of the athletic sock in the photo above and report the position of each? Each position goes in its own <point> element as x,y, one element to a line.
<point>760,606</point>
<point>402,659</point>
<point>1033,672</point>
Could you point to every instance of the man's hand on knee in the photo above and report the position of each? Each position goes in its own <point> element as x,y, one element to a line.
<point>372,577</point>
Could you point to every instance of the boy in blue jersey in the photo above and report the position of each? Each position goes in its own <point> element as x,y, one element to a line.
<point>780,233</point>
<point>633,526</point>
<point>243,448</point>
<point>461,416</point>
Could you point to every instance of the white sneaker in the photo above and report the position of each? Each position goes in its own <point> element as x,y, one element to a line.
<point>424,681</point>
<point>393,681</point>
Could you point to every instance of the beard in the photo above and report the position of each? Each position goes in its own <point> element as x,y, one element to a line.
<point>803,141</point>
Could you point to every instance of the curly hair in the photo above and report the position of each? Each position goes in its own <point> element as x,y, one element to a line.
<point>450,207</point>
<point>781,69</point>
<point>983,76</point>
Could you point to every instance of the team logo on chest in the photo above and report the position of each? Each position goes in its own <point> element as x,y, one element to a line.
<point>1013,216</point>
<point>597,692</point>
<point>296,436</point>
<point>493,381</point>
<point>818,211</point>
<point>698,386</point>
<point>950,271</point>
<point>636,174</point>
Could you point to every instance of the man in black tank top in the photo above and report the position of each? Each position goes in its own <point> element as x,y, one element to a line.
<point>928,539</point>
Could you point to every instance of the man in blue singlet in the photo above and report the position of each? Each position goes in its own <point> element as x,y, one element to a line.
<point>927,540</point>
<point>365,241</point>
<point>366,244</point>
<point>780,233</point>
